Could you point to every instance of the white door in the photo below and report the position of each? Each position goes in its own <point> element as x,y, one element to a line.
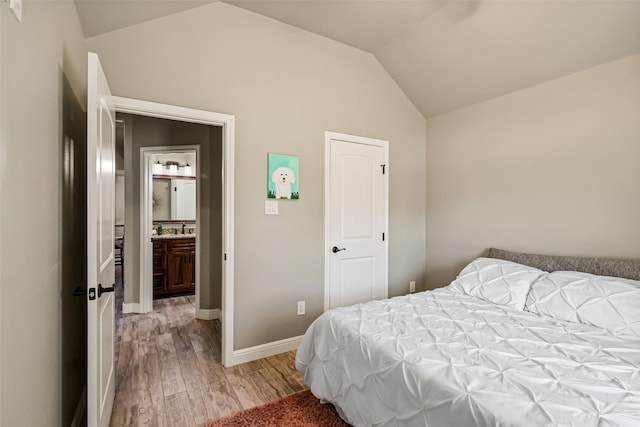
<point>100,246</point>
<point>356,219</point>
<point>183,199</point>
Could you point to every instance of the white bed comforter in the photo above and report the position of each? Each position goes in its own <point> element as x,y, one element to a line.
<point>441,358</point>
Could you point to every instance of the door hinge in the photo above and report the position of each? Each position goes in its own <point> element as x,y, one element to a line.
<point>225,257</point>
<point>383,237</point>
<point>92,294</point>
<point>384,167</point>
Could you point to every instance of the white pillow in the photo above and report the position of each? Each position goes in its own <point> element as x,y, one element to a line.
<point>496,280</point>
<point>607,302</point>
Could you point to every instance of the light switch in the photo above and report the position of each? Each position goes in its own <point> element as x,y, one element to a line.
<point>271,207</point>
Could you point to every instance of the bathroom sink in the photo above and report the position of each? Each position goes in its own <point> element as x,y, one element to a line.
<point>173,236</point>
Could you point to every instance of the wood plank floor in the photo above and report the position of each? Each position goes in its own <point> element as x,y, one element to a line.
<point>168,370</point>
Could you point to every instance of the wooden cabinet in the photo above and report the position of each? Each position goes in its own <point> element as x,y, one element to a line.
<point>159,267</point>
<point>174,267</point>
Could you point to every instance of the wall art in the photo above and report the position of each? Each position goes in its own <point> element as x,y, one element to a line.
<point>283,177</point>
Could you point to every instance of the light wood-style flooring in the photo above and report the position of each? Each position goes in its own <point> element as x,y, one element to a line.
<point>168,370</point>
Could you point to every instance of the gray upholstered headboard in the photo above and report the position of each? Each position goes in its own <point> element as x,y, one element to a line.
<point>626,268</point>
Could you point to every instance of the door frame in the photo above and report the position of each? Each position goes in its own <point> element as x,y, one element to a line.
<point>227,122</point>
<point>353,139</point>
<point>146,223</point>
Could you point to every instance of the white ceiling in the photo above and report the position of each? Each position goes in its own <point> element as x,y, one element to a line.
<point>443,54</point>
<point>365,24</point>
<point>102,16</point>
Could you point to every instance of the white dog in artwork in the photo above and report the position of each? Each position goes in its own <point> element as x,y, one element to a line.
<point>283,177</point>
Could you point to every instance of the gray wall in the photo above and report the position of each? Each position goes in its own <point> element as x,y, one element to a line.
<point>285,87</point>
<point>550,169</point>
<point>36,55</point>
<point>153,132</point>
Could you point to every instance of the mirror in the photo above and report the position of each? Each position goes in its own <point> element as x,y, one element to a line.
<point>174,185</point>
<point>174,199</point>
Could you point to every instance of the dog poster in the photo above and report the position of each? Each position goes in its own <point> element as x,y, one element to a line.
<point>283,179</point>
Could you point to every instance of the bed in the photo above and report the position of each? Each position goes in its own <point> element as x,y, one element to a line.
<point>515,340</point>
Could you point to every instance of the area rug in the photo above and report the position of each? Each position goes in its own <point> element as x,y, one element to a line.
<point>297,410</point>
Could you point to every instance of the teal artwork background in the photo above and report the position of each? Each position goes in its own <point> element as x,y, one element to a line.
<point>277,160</point>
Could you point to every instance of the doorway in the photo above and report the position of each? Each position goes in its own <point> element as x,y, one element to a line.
<point>100,240</point>
<point>171,209</point>
<point>356,219</point>
<point>142,301</point>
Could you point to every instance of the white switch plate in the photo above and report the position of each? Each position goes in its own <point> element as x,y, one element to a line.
<point>412,286</point>
<point>301,308</point>
<point>16,7</point>
<point>271,207</point>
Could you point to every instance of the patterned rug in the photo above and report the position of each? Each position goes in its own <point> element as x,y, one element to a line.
<point>298,410</point>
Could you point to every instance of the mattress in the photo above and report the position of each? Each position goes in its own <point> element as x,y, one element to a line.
<point>442,358</point>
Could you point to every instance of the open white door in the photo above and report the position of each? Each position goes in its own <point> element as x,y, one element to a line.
<point>100,246</point>
<point>355,219</point>
<point>183,199</point>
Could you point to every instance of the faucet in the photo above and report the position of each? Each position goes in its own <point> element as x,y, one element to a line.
<point>183,228</point>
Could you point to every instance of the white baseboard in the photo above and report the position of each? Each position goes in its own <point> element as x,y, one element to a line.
<point>131,307</point>
<point>208,314</point>
<point>264,350</point>
<point>80,409</point>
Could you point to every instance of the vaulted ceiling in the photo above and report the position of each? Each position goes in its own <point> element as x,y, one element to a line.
<point>443,54</point>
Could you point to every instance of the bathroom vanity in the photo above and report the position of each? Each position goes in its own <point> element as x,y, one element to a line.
<point>174,265</point>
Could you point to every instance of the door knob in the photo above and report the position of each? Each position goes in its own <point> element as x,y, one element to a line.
<point>102,290</point>
<point>336,249</point>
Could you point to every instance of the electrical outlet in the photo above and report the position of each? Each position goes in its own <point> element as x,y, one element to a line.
<point>16,8</point>
<point>301,308</point>
<point>412,286</point>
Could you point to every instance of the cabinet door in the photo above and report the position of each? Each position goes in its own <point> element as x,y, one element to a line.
<point>180,271</point>
<point>189,271</point>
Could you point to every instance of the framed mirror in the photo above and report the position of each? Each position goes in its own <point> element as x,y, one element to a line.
<point>174,199</point>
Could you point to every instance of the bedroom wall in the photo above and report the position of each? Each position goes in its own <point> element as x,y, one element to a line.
<point>36,56</point>
<point>286,87</point>
<point>550,169</point>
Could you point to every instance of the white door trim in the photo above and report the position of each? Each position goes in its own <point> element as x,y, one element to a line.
<point>146,222</point>
<point>328,136</point>
<point>227,122</point>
